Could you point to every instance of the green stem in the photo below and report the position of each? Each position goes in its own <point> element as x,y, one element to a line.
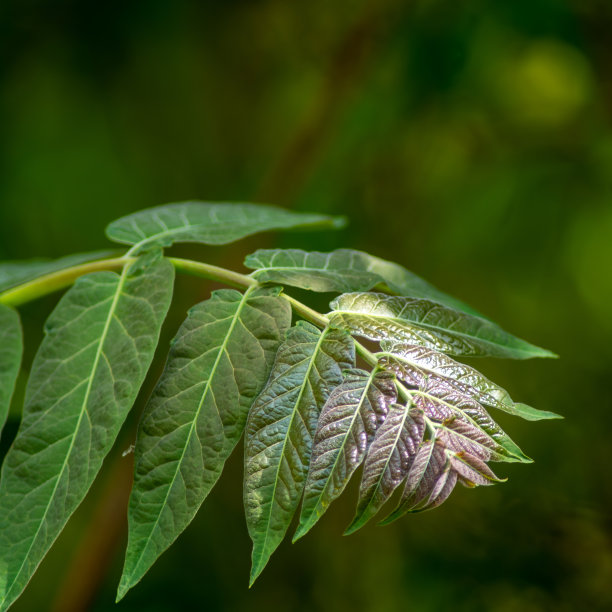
<point>49,283</point>
<point>215,273</point>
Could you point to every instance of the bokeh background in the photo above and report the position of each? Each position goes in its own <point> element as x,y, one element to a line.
<point>469,141</point>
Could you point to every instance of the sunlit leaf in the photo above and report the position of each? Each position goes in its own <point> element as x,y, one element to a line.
<point>348,422</point>
<point>341,271</point>
<point>208,223</point>
<point>419,366</point>
<point>441,403</point>
<point>99,342</point>
<point>280,429</point>
<point>11,349</point>
<point>425,323</point>
<point>219,362</point>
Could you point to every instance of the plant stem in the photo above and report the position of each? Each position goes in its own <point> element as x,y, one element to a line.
<point>215,273</point>
<point>49,283</point>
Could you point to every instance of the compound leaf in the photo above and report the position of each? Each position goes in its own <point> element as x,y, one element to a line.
<point>218,363</point>
<point>280,429</point>
<point>11,349</point>
<point>208,223</point>
<point>99,343</point>
<point>425,323</point>
<point>347,424</point>
<point>342,271</point>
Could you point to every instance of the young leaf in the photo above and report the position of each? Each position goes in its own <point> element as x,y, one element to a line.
<point>435,470</point>
<point>388,460</point>
<point>11,349</point>
<point>425,323</point>
<point>342,271</point>
<point>418,365</point>
<point>14,273</point>
<point>347,424</point>
<point>442,403</point>
<point>208,223</point>
<point>280,429</point>
<point>99,343</point>
<point>218,363</point>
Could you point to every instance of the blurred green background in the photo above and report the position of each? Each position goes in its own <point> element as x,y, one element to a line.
<point>469,141</point>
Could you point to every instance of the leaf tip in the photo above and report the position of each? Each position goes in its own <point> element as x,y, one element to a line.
<point>338,222</point>
<point>122,590</point>
<point>254,575</point>
<point>352,528</point>
<point>533,414</point>
<point>300,532</point>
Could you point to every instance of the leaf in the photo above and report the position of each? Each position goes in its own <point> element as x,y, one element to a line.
<point>218,363</point>
<point>441,403</point>
<point>99,343</point>
<point>388,461</point>
<point>435,470</point>
<point>280,429</point>
<point>11,349</point>
<point>208,223</point>
<point>418,365</point>
<point>348,422</point>
<point>14,273</point>
<point>377,316</point>
<point>341,271</point>
<point>462,436</point>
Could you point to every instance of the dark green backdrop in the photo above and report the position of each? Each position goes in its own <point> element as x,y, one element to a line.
<point>469,141</point>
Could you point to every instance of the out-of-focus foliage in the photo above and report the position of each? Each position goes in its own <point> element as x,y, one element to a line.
<point>477,134</point>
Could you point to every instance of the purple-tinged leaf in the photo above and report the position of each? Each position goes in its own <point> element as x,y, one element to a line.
<point>417,364</point>
<point>348,422</point>
<point>388,461</point>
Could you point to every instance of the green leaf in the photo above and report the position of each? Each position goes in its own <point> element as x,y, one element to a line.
<point>280,429</point>
<point>419,366</point>
<point>341,271</point>
<point>388,461</point>
<point>99,343</point>
<point>377,316</point>
<point>219,361</point>
<point>532,414</point>
<point>14,273</point>
<point>347,424</point>
<point>208,223</point>
<point>11,349</point>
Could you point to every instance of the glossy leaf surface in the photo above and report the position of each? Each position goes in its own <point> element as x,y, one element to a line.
<point>280,429</point>
<point>388,460</point>
<point>347,424</point>
<point>419,366</point>
<point>99,343</point>
<point>425,323</point>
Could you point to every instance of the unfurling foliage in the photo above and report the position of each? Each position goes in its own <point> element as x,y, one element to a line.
<point>314,404</point>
